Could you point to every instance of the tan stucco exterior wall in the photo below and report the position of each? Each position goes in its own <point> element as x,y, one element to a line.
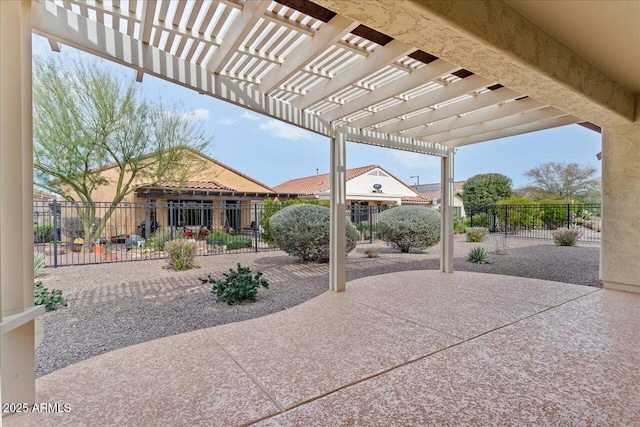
<point>206,170</point>
<point>620,254</point>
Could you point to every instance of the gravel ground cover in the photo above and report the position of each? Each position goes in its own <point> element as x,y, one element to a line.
<point>120,304</point>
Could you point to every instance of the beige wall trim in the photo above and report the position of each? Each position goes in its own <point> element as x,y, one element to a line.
<point>9,323</point>
<point>492,39</point>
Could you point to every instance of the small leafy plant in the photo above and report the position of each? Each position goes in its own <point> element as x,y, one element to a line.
<point>372,253</point>
<point>181,254</point>
<point>476,234</point>
<point>51,299</point>
<point>566,237</point>
<point>237,286</point>
<point>478,255</point>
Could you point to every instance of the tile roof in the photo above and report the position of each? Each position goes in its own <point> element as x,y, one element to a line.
<point>432,191</point>
<point>416,199</point>
<point>312,185</point>
<point>191,185</point>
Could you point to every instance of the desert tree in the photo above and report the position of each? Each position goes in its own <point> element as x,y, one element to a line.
<point>566,181</point>
<point>87,118</point>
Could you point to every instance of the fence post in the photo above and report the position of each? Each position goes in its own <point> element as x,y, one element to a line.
<point>370,225</point>
<point>568,216</point>
<point>506,219</point>
<point>171,219</point>
<point>255,227</point>
<point>55,233</point>
<point>147,220</point>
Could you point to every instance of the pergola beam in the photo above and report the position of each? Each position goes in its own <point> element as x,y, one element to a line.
<point>436,96</point>
<point>493,39</point>
<point>516,130</point>
<point>416,123</point>
<point>477,117</point>
<point>431,71</point>
<point>371,137</point>
<point>510,121</point>
<point>146,23</point>
<point>51,20</point>
<point>240,28</point>
<point>383,55</point>
<point>328,34</point>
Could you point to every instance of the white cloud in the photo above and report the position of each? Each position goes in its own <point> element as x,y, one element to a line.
<point>250,116</point>
<point>414,160</point>
<point>227,121</point>
<point>197,114</point>
<point>282,130</point>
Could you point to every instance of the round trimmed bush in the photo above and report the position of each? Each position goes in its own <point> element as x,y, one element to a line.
<point>407,227</point>
<point>303,231</point>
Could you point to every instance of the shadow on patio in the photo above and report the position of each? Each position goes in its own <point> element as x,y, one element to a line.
<point>409,348</point>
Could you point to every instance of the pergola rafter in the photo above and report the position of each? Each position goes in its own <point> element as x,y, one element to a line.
<point>304,61</point>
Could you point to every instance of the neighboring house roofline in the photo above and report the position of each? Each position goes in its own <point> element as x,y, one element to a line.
<point>313,184</point>
<point>203,155</point>
<point>435,191</point>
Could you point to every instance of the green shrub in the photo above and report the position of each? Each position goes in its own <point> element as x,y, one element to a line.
<point>460,224</point>
<point>272,207</point>
<point>478,255</point>
<point>519,213</point>
<point>372,253</point>
<point>566,237</point>
<point>38,263</point>
<point>476,234</point>
<point>365,227</point>
<point>238,242</point>
<point>181,254</point>
<point>237,286</point>
<point>407,227</point>
<point>159,239</point>
<point>51,299</point>
<point>42,233</point>
<point>303,230</point>
<point>217,238</point>
<point>554,214</point>
<point>232,242</point>
<point>482,219</point>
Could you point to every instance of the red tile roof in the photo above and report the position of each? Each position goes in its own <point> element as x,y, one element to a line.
<point>312,185</point>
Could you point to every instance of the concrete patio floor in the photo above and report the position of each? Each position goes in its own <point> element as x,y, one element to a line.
<point>410,348</point>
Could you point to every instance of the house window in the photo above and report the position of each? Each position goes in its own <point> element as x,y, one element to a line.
<point>188,214</point>
<point>457,210</point>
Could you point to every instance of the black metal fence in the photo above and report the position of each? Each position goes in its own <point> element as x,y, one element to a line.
<point>538,221</point>
<point>70,233</point>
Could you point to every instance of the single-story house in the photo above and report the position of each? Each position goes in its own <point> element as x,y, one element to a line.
<point>365,186</point>
<point>433,193</point>
<point>215,195</point>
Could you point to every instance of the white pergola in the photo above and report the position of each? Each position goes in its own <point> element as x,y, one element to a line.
<point>300,63</point>
<point>293,60</point>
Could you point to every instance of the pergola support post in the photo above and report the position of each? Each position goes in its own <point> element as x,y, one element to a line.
<point>338,244</point>
<point>446,211</point>
<point>17,372</point>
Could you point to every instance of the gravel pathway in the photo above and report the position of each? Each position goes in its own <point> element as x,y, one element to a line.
<point>121,304</point>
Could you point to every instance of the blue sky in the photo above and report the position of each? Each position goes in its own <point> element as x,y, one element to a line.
<point>273,152</point>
